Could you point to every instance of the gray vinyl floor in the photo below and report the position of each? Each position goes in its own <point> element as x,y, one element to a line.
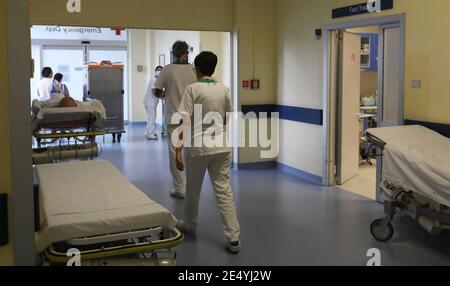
<point>285,221</point>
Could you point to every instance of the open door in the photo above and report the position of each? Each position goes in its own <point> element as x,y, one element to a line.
<point>347,153</point>
<point>390,77</point>
<point>390,84</point>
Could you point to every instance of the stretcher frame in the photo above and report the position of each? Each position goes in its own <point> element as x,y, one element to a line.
<point>112,245</point>
<point>135,244</point>
<point>81,131</point>
<point>431,215</point>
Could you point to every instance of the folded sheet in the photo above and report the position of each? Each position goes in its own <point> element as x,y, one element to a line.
<point>92,198</point>
<point>418,159</point>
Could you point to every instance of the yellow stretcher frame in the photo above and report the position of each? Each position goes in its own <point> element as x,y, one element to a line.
<point>70,134</point>
<point>61,258</point>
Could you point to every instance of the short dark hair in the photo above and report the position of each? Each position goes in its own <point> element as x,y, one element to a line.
<point>206,63</point>
<point>180,48</point>
<point>46,72</point>
<point>58,77</point>
<point>158,67</point>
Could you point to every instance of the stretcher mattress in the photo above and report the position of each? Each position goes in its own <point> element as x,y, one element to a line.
<point>47,112</point>
<point>417,159</point>
<point>92,198</point>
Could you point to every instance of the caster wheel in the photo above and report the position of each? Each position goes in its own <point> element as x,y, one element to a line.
<point>380,232</point>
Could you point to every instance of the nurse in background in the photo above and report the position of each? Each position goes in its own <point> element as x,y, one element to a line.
<point>151,104</point>
<point>45,86</point>
<point>59,87</point>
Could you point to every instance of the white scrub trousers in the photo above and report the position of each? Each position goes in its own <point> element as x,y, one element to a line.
<point>179,178</point>
<point>150,108</point>
<point>218,167</point>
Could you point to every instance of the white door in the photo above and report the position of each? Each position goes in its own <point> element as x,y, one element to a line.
<point>391,79</point>
<point>115,55</point>
<point>69,62</point>
<point>348,107</point>
<point>390,84</point>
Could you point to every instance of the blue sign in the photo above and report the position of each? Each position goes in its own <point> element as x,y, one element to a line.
<point>363,8</point>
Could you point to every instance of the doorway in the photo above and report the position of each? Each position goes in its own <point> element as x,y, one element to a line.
<point>365,78</point>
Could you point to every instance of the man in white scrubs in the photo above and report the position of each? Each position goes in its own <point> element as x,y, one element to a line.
<point>208,102</point>
<point>45,85</point>
<point>171,84</point>
<point>151,104</point>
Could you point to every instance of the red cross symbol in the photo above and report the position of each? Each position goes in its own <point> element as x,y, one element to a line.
<point>118,31</point>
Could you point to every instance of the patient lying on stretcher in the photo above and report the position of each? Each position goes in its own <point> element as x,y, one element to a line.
<point>42,108</point>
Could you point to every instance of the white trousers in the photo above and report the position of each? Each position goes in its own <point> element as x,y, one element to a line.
<point>151,116</point>
<point>218,167</point>
<point>179,178</point>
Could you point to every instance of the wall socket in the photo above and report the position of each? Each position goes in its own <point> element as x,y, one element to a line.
<point>416,84</point>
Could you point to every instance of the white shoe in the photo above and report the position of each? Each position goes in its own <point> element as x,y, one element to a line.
<point>152,137</point>
<point>234,247</point>
<point>177,195</point>
<point>181,226</point>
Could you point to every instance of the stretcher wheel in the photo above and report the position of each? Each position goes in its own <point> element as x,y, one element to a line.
<point>380,231</point>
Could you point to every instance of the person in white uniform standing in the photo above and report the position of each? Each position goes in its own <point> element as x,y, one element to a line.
<point>151,104</point>
<point>204,108</point>
<point>45,86</point>
<point>171,85</point>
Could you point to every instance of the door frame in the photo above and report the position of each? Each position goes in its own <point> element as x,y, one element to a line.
<point>329,95</point>
<point>18,33</point>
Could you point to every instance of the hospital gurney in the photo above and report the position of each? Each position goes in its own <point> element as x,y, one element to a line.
<point>92,208</point>
<point>415,177</point>
<point>77,126</point>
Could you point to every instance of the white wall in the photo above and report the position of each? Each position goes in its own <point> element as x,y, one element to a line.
<point>301,146</point>
<point>146,47</point>
<point>138,55</point>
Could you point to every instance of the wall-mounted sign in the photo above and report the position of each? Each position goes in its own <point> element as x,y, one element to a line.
<point>370,6</point>
<point>73,6</point>
<point>76,33</point>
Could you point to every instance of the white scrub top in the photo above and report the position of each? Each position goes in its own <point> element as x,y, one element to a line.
<point>150,99</point>
<point>174,79</point>
<point>45,88</point>
<point>214,99</point>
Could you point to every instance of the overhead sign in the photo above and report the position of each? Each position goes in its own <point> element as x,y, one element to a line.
<point>77,33</point>
<point>371,6</point>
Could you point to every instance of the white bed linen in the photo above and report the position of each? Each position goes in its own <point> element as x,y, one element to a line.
<point>92,198</point>
<point>418,159</point>
<point>40,109</point>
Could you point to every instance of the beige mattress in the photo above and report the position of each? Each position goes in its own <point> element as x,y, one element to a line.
<point>92,198</point>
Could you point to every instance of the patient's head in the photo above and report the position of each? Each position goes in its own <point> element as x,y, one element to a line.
<point>67,102</point>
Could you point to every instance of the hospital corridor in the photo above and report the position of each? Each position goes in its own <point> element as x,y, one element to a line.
<point>241,135</point>
<point>283,228</point>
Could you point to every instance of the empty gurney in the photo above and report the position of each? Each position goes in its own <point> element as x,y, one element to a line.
<point>90,206</point>
<point>415,177</point>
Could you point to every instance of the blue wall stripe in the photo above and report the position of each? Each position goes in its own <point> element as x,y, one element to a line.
<point>298,114</point>
<point>443,129</point>
<point>282,168</point>
<point>258,165</point>
<point>300,174</point>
